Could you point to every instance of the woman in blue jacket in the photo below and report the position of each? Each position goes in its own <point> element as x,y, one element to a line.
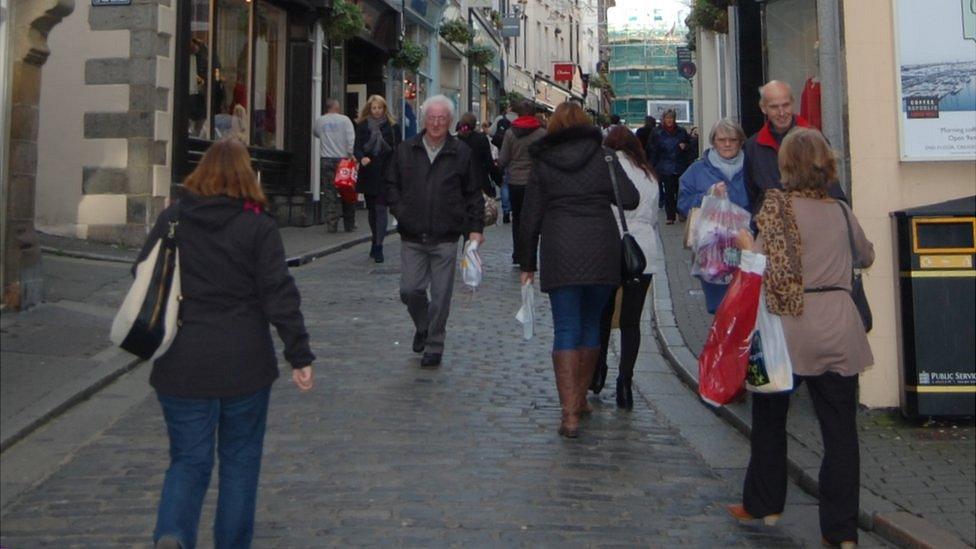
<point>720,166</point>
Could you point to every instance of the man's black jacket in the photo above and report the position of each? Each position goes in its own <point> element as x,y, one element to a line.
<point>439,201</point>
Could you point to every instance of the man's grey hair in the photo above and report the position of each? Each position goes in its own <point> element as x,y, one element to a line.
<point>774,83</point>
<point>330,104</point>
<point>726,126</point>
<point>438,100</point>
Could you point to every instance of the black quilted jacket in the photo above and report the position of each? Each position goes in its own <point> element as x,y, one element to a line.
<point>567,203</point>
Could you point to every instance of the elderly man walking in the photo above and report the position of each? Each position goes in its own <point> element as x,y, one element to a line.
<point>434,192</point>
<point>762,149</point>
<point>337,138</point>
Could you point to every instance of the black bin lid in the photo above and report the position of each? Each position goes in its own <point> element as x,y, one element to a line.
<point>965,206</point>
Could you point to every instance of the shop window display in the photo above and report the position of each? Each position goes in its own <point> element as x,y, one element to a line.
<point>238,90</point>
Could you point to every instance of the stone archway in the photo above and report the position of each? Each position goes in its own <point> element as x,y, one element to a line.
<point>32,21</point>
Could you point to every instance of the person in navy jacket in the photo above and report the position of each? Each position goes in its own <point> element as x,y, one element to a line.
<point>666,151</point>
<point>719,170</point>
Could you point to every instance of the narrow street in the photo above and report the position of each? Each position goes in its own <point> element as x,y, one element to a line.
<point>383,453</point>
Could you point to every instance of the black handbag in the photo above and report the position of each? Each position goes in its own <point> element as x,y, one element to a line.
<point>632,260</point>
<point>857,286</point>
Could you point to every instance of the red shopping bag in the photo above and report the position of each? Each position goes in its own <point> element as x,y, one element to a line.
<point>345,180</point>
<point>723,361</point>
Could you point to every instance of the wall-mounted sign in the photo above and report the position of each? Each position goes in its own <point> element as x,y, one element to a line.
<point>682,109</point>
<point>563,72</point>
<point>935,43</point>
<point>110,2</point>
<point>511,27</point>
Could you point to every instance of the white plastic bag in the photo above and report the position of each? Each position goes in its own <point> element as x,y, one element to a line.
<point>471,268</point>
<point>770,367</point>
<point>525,314</point>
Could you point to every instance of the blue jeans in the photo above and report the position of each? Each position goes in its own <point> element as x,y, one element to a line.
<point>714,294</point>
<point>194,425</point>
<point>576,313</point>
<point>506,198</point>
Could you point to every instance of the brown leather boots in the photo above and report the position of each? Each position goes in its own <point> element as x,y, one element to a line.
<point>574,371</point>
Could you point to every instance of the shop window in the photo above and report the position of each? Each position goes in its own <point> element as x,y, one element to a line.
<point>269,76</point>
<point>198,107</point>
<point>231,44</point>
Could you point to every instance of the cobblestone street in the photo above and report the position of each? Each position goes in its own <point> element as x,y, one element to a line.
<point>384,453</point>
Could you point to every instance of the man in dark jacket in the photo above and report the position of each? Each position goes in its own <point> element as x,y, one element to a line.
<point>433,190</point>
<point>644,132</point>
<point>762,149</point>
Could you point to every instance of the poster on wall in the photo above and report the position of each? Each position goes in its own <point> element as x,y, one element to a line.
<point>936,44</point>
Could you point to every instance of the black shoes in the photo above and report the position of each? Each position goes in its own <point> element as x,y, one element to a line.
<point>599,378</point>
<point>376,252</point>
<point>430,360</point>
<point>419,342</point>
<point>625,394</point>
<point>506,218</point>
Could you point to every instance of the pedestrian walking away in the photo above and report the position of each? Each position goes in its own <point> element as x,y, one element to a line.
<point>808,239</point>
<point>514,157</point>
<point>497,131</point>
<point>642,224</point>
<point>480,147</point>
<point>667,152</point>
<point>433,191</point>
<point>644,132</point>
<point>762,168</point>
<point>719,171</point>
<point>567,204</point>
<point>337,140</point>
<point>377,135</point>
<point>214,381</point>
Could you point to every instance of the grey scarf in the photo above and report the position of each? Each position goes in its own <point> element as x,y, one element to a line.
<point>728,166</point>
<point>376,145</point>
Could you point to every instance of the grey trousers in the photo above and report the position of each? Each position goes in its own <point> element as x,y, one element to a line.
<point>430,266</point>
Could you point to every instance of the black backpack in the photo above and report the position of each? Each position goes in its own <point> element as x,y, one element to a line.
<point>500,128</point>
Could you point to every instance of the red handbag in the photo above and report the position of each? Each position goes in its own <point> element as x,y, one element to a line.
<point>345,180</point>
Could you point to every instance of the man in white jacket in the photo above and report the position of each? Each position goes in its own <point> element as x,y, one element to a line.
<point>337,138</point>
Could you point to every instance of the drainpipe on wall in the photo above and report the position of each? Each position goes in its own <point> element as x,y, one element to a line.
<point>315,183</point>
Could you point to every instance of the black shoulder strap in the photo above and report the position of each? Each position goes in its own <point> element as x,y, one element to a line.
<point>850,237</point>
<point>616,188</point>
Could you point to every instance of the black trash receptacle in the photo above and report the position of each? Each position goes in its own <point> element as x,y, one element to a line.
<point>937,292</point>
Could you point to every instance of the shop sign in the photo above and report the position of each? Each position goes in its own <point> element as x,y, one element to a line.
<point>936,82</point>
<point>511,27</point>
<point>110,2</point>
<point>563,72</point>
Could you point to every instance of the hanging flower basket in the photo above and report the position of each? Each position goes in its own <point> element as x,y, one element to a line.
<point>345,21</point>
<point>456,31</point>
<point>480,55</point>
<point>409,56</point>
<point>710,15</point>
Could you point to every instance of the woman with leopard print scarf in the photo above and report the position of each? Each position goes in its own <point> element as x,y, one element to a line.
<point>804,235</point>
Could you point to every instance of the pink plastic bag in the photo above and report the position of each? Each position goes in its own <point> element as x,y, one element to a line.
<point>718,223</point>
<point>723,361</point>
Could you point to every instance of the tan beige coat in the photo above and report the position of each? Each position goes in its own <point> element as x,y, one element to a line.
<point>828,336</point>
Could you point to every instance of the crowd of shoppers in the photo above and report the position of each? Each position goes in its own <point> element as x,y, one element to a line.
<point>564,180</point>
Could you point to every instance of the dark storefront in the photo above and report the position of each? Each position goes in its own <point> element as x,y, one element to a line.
<point>256,86</point>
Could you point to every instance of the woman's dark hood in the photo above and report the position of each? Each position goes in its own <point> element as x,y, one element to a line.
<point>214,211</point>
<point>570,149</point>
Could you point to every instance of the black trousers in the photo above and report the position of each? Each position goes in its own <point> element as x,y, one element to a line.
<point>670,195</point>
<point>835,401</point>
<point>516,195</point>
<point>631,310</point>
<point>378,217</point>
